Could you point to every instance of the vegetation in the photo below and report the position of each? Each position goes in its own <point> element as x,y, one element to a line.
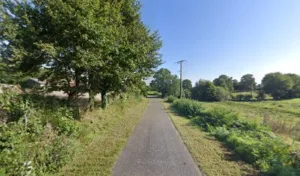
<point>101,46</point>
<point>165,83</point>
<point>38,135</point>
<point>254,142</point>
<point>103,135</point>
<point>207,91</point>
<point>225,82</point>
<point>282,86</point>
<point>211,156</point>
<point>77,47</point>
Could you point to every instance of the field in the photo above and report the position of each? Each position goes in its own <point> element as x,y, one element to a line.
<point>282,116</point>
<point>263,134</point>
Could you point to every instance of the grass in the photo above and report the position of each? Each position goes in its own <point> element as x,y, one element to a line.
<point>282,116</point>
<point>211,156</point>
<point>103,135</point>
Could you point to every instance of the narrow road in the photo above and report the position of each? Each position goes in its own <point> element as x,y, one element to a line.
<point>155,148</point>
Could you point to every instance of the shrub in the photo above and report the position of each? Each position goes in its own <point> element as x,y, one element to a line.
<point>34,141</point>
<point>171,99</point>
<point>188,107</point>
<point>222,94</point>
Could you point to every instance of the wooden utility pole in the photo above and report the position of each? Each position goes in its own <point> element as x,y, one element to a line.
<point>180,62</point>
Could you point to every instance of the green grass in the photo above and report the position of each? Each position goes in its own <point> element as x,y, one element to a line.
<point>103,135</point>
<point>212,157</point>
<point>282,116</point>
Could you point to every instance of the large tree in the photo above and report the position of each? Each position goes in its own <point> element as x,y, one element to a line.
<point>247,83</point>
<point>225,82</point>
<point>162,81</point>
<point>101,45</point>
<point>278,85</point>
<point>187,84</point>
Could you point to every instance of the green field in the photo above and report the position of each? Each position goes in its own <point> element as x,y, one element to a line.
<point>263,134</point>
<point>282,116</point>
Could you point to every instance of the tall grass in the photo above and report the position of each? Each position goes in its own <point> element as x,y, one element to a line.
<point>254,142</point>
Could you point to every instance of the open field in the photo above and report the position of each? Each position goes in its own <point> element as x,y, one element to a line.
<point>211,156</point>
<point>282,116</point>
<point>270,145</point>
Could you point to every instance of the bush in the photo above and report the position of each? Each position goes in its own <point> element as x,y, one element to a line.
<point>34,139</point>
<point>188,107</point>
<point>171,99</point>
<point>222,94</point>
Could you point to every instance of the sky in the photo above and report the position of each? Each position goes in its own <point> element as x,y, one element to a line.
<point>232,37</point>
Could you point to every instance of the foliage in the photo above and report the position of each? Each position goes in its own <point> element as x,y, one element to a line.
<point>34,140</point>
<point>254,142</point>
<point>187,93</point>
<point>278,85</point>
<point>187,107</point>
<point>171,99</point>
<point>261,95</point>
<point>207,91</point>
<point>247,83</point>
<point>84,46</point>
<point>165,83</point>
<point>225,82</point>
<point>222,94</point>
<point>187,84</point>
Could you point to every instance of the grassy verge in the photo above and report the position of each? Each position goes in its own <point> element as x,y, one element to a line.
<point>211,156</point>
<point>103,136</point>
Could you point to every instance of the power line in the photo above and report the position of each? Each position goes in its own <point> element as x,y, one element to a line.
<point>180,62</point>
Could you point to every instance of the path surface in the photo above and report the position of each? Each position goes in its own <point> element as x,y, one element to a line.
<point>155,148</point>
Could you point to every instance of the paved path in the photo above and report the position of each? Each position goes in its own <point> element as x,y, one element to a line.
<point>155,148</point>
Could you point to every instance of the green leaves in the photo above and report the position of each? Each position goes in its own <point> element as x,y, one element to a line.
<point>101,45</point>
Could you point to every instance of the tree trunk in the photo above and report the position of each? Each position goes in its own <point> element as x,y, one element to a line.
<point>103,100</point>
<point>91,103</point>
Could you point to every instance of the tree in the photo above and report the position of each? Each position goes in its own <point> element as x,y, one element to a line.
<point>236,84</point>
<point>101,45</point>
<point>225,82</point>
<point>162,81</point>
<point>247,83</point>
<point>187,84</point>
<point>278,85</point>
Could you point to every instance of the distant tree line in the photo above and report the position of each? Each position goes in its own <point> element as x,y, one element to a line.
<point>100,45</point>
<point>278,85</point>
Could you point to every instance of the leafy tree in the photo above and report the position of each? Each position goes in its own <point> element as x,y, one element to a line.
<point>236,84</point>
<point>100,45</point>
<point>187,93</point>
<point>222,94</point>
<point>162,81</point>
<point>175,87</point>
<point>247,83</point>
<point>277,84</point>
<point>204,91</point>
<point>187,84</point>
<point>225,82</point>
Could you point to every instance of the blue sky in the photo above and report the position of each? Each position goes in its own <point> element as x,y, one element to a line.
<point>232,37</point>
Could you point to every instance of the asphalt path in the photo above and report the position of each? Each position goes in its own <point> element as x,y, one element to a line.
<point>155,148</point>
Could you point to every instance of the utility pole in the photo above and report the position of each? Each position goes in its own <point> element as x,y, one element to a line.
<point>180,62</point>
